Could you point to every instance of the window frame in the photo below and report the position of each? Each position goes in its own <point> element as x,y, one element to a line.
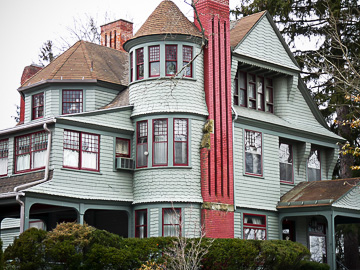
<point>129,147</point>
<point>292,164</point>
<point>187,142</point>
<point>30,151</point>
<point>139,52</point>
<point>131,67</point>
<point>178,224</point>
<point>269,88</point>
<point>188,61</point>
<point>139,226</point>
<point>4,153</point>
<point>153,142</point>
<point>80,151</point>
<point>260,93</point>
<point>37,108</point>
<point>137,142</point>
<point>171,60</point>
<point>261,156</point>
<point>64,92</point>
<point>154,61</point>
<point>253,83</point>
<point>313,148</point>
<point>254,226</point>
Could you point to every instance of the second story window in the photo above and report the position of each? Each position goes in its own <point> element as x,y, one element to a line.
<point>122,148</point>
<point>30,152</point>
<point>286,163</point>
<point>160,142</point>
<point>72,101</point>
<point>314,165</point>
<point>171,60</point>
<point>4,154</point>
<point>38,106</point>
<point>187,58</point>
<point>260,92</point>
<point>140,64</point>
<point>180,142</point>
<point>141,144</point>
<point>81,150</point>
<point>269,96</point>
<point>131,67</point>
<point>253,153</point>
<point>154,61</point>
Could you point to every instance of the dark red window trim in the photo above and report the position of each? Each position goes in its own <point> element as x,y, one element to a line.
<point>178,224</point>
<point>38,109</point>
<point>153,148</point>
<point>187,59</point>
<point>68,100</point>
<point>131,67</point>
<point>4,152</point>
<point>139,63</point>
<point>261,94</point>
<point>187,143</point>
<point>154,57</point>
<point>30,149</point>
<point>269,103</point>
<point>292,164</point>
<point>262,168</point>
<point>254,226</point>
<point>169,58</point>
<point>236,91</point>
<point>137,226</point>
<point>137,141</point>
<point>240,89</point>
<point>122,155</point>
<point>80,151</point>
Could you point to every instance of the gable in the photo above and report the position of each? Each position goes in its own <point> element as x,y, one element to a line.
<point>264,43</point>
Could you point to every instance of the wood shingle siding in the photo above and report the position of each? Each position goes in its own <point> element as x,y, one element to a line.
<point>155,222</point>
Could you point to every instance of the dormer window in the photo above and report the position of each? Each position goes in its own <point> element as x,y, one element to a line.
<point>38,106</point>
<point>4,154</point>
<point>72,101</point>
<point>171,60</point>
<point>154,61</point>
<point>140,64</point>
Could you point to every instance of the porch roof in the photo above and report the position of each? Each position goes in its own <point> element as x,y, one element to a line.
<point>320,193</point>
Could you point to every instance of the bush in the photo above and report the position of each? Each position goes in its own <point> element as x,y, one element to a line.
<point>1,256</point>
<point>309,265</point>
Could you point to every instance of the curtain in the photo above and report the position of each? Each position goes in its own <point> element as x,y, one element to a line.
<point>89,160</point>
<point>180,153</point>
<point>3,165</point>
<point>140,157</point>
<point>122,147</point>
<point>141,220</point>
<point>71,158</point>
<point>160,153</point>
<point>38,159</point>
<point>171,222</point>
<point>254,234</point>
<point>23,162</point>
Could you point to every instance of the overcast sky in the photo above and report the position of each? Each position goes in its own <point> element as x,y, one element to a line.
<point>25,25</point>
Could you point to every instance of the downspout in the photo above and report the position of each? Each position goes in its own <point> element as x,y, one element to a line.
<point>233,143</point>
<point>46,176</point>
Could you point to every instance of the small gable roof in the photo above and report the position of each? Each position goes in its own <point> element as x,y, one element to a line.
<point>167,19</point>
<point>84,61</point>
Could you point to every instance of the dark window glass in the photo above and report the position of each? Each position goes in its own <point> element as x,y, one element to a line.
<point>253,152</point>
<point>286,162</point>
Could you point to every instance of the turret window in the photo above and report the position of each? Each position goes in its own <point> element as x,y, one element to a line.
<point>140,64</point>
<point>160,142</point>
<point>154,61</point>
<point>142,144</point>
<point>180,142</point>
<point>187,58</point>
<point>38,106</point>
<point>171,60</point>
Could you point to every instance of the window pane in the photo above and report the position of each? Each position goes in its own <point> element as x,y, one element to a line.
<point>170,68</point>
<point>142,147</point>
<point>314,166</point>
<point>171,59</point>
<point>154,60</point>
<point>4,153</point>
<point>286,162</point>
<point>160,142</point>
<point>171,222</point>
<point>72,101</point>
<point>71,158</point>
<point>122,148</point>
<point>242,80</point>
<point>3,165</point>
<point>141,223</point>
<point>318,248</point>
<point>242,94</point>
<point>141,160</point>
<point>253,152</point>
<point>180,141</point>
<point>90,151</point>
<point>38,159</point>
<point>187,57</point>
<point>154,69</point>
<point>38,106</point>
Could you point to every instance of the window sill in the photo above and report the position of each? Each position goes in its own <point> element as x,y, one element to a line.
<point>287,183</point>
<point>254,176</point>
<point>163,167</point>
<point>81,171</point>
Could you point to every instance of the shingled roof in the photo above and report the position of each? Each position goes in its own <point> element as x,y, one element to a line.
<point>317,193</point>
<point>167,19</point>
<point>85,61</point>
<point>241,27</point>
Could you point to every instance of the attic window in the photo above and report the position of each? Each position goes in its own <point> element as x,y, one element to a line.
<point>140,64</point>
<point>72,101</point>
<point>38,106</point>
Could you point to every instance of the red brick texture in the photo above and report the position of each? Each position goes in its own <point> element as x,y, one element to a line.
<point>117,33</point>
<point>218,224</point>
<point>217,163</point>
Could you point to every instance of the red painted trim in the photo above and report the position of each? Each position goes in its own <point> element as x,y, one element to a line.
<point>139,226</point>
<point>129,149</point>
<point>262,169</point>
<point>261,95</point>
<point>179,224</point>
<point>137,140</point>
<point>154,61</point>
<point>169,59</point>
<point>186,62</point>
<point>153,143</point>
<point>64,92</point>
<point>254,226</point>
<point>131,66</point>
<point>187,142</point>
<point>5,153</point>
<point>139,52</point>
<point>39,107</point>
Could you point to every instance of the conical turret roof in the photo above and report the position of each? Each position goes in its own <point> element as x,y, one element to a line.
<point>167,19</point>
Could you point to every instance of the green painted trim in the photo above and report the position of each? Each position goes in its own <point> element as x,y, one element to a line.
<point>156,115</point>
<point>126,135</point>
<point>89,127</point>
<point>81,171</point>
<point>99,111</point>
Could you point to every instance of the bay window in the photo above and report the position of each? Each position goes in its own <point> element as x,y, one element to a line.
<point>81,150</point>
<point>187,57</point>
<point>180,142</point>
<point>253,153</point>
<point>154,61</point>
<point>30,152</point>
<point>141,144</point>
<point>160,142</point>
<point>286,163</point>
<point>254,227</point>
<point>72,101</point>
<point>141,223</point>
<point>38,106</point>
<point>314,165</point>
<point>4,155</point>
<point>131,66</point>
<point>122,148</point>
<point>171,60</point>
<point>171,222</point>
<point>140,64</point>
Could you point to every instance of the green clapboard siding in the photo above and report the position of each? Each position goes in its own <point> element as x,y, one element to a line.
<point>237,225</point>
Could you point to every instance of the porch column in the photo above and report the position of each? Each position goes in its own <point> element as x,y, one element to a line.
<point>331,259</point>
<point>27,207</point>
<point>80,214</point>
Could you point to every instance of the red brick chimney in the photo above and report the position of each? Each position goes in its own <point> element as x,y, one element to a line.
<point>28,72</point>
<point>116,33</point>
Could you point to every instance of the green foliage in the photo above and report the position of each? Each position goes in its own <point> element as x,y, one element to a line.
<point>309,265</point>
<point>1,256</point>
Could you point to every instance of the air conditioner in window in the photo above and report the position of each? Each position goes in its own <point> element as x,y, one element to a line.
<point>125,163</point>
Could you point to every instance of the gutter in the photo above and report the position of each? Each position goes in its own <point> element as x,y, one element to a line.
<point>233,141</point>
<point>46,176</point>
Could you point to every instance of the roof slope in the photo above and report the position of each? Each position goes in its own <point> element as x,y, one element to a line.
<point>167,19</point>
<point>241,27</point>
<point>85,61</point>
<point>317,193</point>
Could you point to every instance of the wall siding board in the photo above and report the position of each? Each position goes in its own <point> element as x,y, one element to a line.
<point>237,225</point>
<point>351,200</point>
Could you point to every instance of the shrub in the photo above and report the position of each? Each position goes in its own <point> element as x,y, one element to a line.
<point>309,265</point>
<point>1,256</point>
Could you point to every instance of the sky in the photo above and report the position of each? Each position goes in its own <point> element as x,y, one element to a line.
<point>25,25</point>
